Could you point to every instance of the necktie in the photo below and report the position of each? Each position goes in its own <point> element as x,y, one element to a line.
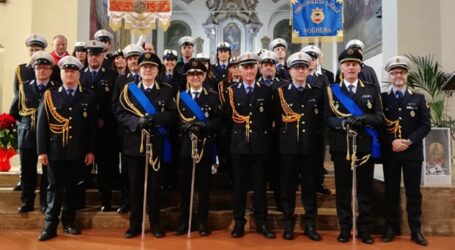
<point>195,95</point>
<point>223,67</point>
<point>137,78</point>
<point>93,75</point>
<point>148,90</point>
<point>399,95</point>
<point>249,90</point>
<point>41,88</point>
<point>351,90</point>
<point>268,82</point>
<point>70,93</point>
<point>169,77</point>
<point>300,89</point>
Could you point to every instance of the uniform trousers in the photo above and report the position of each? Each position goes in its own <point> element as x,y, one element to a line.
<point>29,175</point>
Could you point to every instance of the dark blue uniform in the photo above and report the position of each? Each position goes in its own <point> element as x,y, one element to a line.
<point>300,132</point>
<point>24,109</point>
<point>107,154</point>
<point>161,97</point>
<point>219,72</point>
<point>367,99</point>
<point>406,118</point>
<point>66,129</point>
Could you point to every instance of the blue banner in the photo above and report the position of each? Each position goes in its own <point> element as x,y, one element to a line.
<point>317,20</point>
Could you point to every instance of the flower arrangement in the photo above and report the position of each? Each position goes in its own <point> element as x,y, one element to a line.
<point>8,140</point>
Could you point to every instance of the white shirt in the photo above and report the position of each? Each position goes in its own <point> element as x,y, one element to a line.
<point>346,83</point>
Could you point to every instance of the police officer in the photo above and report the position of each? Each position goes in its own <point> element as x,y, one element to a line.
<point>146,105</point>
<point>407,118</point>
<point>199,115</point>
<point>106,38</point>
<point>24,109</point>
<point>249,106</point>
<point>223,54</point>
<point>101,79</point>
<point>210,81</point>
<point>131,53</point>
<point>319,80</point>
<point>186,44</point>
<point>66,130</point>
<point>367,73</point>
<point>279,46</point>
<point>170,75</point>
<point>341,117</point>
<point>268,61</point>
<point>299,106</point>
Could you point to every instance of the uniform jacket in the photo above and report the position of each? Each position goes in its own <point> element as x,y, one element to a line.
<point>309,106</point>
<point>413,118</point>
<point>162,99</point>
<point>218,72</point>
<point>368,100</point>
<point>31,97</point>
<point>81,117</point>
<point>260,110</point>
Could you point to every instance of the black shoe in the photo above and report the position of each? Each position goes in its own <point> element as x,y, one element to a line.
<point>366,238</point>
<point>322,189</point>
<point>182,229</point>
<point>25,208</point>
<point>43,209</point>
<point>238,231</point>
<point>311,232</point>
<point>344,235</point>
<point>388,236</point>
<point>418,238</point>
<point>47,235</point>
<point>157,232</point>
<point>288,233</point>
<point>71,229</point>
<point>203,230</point>
<point>18,187</point>
<point>107,208</point>
<point>265,231</point>
<point>125,208</point>
<point>131,233</point>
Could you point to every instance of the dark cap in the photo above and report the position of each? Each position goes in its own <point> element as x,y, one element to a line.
<point>118,52</point>
<point>194,66</point>
<point>350,55</point>
<point>149,59</point>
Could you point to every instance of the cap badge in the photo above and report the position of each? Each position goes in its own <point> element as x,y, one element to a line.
<point>350,51</point>
<point>194,63</point>
<point>93,43</point>
<point>397,60</point>
<point>147,55</point>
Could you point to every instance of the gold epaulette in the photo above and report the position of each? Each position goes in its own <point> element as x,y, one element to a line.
<point>393,127</point>
<point>220,92</point>
<point>62,125</point>
<point>238,118</point>
<point>23,109</point>
<point>289,115</point>
<point>334,108</point>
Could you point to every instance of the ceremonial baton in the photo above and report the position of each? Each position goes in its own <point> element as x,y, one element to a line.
<point>194,156</point>
<point>148,150</point>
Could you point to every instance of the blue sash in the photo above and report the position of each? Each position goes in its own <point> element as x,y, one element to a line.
<point>355,110</point>
<point>197,111</point>
<point>151,110</point>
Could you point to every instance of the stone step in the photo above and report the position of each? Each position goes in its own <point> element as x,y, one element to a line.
<point>218,220</point>
<point>219,199</point>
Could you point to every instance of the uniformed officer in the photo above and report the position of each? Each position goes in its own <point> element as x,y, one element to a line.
<point>170,75</point>
<point>146,105</point>
<point>319,80</point>
<point>279,46</point>
<point>210,81</point>
<point>131,53</point>
<point>407,118</point>
<point>119,63</point>
<point>80,52</point>
<point>101,79</point>
<point>340,115</point>
<point>367,73</point>
<point>106,38</point>
<point>223,54</point>
<point>66,130</point>
<point>186,44</point>
<point>24,109</point>
<point>199,115</point>
<point>267,63</point>
<point>25,72</point>
<point>249,107</point>
<point>299,106</point>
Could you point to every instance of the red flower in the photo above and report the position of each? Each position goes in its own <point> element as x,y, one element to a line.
<point>6,121</point>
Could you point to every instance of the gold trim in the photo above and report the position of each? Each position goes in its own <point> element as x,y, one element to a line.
<point>334,109</point>
<point>290,115</point>
<point>238,118</point>
<point>62,125</point>
<point>23,109</point>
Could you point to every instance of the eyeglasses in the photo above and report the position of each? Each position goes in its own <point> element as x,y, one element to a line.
<point>398,72</point>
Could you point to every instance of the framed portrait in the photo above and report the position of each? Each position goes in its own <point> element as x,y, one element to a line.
<point>233,35</point>
<point>437,169</point>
